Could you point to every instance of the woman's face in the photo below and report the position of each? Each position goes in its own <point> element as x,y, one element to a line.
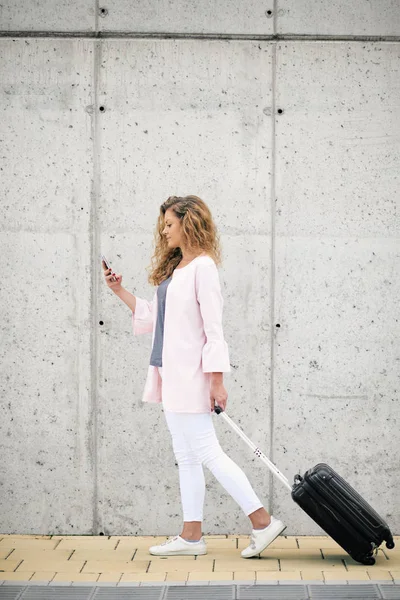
<point>172,229</point>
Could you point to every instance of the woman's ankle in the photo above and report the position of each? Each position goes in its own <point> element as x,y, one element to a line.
<point>260,519</point>
<point>191,531</point>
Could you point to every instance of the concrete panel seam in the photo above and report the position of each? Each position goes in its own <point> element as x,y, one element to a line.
<point>272,278</point>
<point>198,36</point>
<point>94,286</point>
<point>96,16</point>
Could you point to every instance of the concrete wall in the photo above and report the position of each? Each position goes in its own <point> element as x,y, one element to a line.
<point>292,136</point>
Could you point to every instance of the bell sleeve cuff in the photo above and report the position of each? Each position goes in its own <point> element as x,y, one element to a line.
<point>142,317</point>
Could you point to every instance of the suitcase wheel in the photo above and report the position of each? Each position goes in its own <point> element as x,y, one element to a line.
<point>367,560</point>
<point>390,544</point>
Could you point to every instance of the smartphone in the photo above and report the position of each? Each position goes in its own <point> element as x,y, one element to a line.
<point>105,261</point>
<point>107,264</point>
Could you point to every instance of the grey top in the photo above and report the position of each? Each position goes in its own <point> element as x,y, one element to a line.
<point>156,354</point>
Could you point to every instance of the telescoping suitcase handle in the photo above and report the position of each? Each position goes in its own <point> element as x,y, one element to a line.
<point>218,410</point>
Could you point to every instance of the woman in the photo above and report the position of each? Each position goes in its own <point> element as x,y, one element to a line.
<point>188,359</point>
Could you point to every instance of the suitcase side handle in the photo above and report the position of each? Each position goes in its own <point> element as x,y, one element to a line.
<point>218,410</point>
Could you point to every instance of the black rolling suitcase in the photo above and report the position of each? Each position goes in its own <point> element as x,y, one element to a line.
<point>334,505</point>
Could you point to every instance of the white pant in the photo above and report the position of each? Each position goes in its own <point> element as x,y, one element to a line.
<point>195,444</point>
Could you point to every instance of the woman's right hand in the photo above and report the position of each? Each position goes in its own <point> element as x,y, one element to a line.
<point>113,281</point>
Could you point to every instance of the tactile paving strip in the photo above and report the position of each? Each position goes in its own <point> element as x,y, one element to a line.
<point>136,593</point>
<point>272,592</point>
<point>391,592</point>
<point>345,592</point>
<point>200,592</point>
<point>45,592</point>
<point>11,592</point>
<point>289,591</point>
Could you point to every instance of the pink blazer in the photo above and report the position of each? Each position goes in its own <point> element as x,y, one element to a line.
<point>194,344</point>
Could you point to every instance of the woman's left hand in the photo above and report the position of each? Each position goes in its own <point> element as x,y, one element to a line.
<point>219,395</point>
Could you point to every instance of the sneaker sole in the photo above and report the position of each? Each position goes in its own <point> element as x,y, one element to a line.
<point>266,545</point>
<point>179,553</point>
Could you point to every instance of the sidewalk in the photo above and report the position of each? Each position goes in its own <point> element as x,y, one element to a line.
<point>125,560</point>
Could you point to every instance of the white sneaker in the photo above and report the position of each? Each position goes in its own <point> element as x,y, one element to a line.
<point>261,538</point>
<point>178,546</point>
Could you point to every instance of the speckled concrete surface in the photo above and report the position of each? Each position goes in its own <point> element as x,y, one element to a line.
<point>46,422</point>
<point>338,18</point>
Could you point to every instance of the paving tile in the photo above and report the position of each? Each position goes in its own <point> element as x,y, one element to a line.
<point>379,575</point>
<point>42,554</point>
<point>136,578</point>
<point>16,575</point>
<point>145,555</point>
<point>394,558</point>
<point>312,575</point>
<point>177,576</point>
<point>312,563</point>
<point>36,544</point>
<point>246,564</point>
<point>93,543</point>
<point>151,577</point>
<point>42,576</point>
<point>395,575</point>
<point>332,562</point>
<point>100,566</point>
<point>346,575</point>
<point>244,575</point>
<point>177,565</point>
<point>316,542</point>
<point>27,536</point>
<point>231,555</point>
<point>103,555</point>
<point>143,543</point>
<point>277,575</point>
<point>68,576</point>
<point>145,577</point>
<point>83,538</point>
<point>211,576</point>
<point>292,554</point>
<point>228,552</point>
<point>9,565</point>
<point>280,543</point>
<point>109,577</point>
<point>392,554</point>
<point>139,538</point>
<point>213,543</point>
<point>59,566</point>
<point>331,552</point>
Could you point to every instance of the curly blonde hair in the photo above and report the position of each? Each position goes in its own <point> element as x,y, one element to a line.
<point>198,231</point>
